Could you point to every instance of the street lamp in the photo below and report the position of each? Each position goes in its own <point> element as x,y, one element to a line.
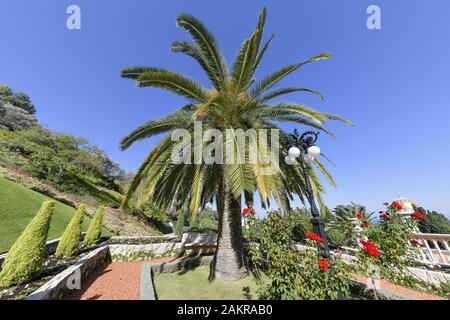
<point>304,147</point>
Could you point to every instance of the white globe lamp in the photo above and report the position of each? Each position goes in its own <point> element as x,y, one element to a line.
<point>294,152</point>
<point>289,160</point>
<point>314,151</point>
<point>309,159</point>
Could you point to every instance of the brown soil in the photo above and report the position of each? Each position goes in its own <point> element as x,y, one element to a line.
<point>405,292</point>
<point>114,281</point>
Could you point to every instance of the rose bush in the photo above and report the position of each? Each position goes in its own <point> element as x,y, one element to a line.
<point>289,272</point>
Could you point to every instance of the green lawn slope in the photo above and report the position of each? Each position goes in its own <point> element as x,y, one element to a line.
<point>18,205</point>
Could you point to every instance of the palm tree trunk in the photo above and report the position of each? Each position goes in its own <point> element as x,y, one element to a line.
<point>228,261</point>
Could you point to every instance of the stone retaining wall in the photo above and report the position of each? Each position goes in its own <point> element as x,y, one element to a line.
<point>70,279</point>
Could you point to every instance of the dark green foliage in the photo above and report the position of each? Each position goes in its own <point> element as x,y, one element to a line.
<point>25,258</point>
<point>434,222</point>
<point>18,99</point>
<point>180,223</point>
<point>71,238</point>
<point>301,219</point>
<point>94,232</point>
<point>15,119</point>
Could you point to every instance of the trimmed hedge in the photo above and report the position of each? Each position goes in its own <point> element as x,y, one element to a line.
<point>71,238</point>
<point>94,232</point>
<point>180,223</point>
<point>26,256</point>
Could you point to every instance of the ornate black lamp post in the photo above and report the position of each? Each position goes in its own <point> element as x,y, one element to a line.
<point>304,147</point>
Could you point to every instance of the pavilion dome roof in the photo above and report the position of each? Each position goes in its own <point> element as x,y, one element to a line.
<point>407,204</point>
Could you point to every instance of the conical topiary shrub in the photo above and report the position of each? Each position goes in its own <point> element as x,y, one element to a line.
<point>25,258</point>
<point>94,232</point>
<point>180,223</point>
<point>71,238</point>
<point>194,225</point>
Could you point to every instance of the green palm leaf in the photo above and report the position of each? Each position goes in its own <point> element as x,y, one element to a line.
<point>284,91</point>
<point>271,80</point>
<point>207,44</point>
<point>173,82</point>
<point>180,119</point>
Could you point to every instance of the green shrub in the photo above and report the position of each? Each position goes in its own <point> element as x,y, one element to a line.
<point>94,232</point>
<point>25,258</point>
<point>194,225</point>
<point>208,224</point>
<point>71,238</point>
<point>180,224</point>
<point>284,273</point>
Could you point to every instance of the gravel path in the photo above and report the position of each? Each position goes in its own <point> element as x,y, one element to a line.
<point>114,281</point>
<point>405,292</point>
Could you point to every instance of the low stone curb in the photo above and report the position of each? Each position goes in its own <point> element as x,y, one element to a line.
<point>149,270</point>
<point>147,288</point>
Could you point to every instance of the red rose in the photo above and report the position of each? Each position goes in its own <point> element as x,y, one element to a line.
<point>365,224</point>
<point>314,237</point>
<point>370,249</point>
<point>246,212</point>
<point>359,216</point>
<point>415,242</point>
<point>397,205</point>
<point>324,265</point>
<point>418,215</point>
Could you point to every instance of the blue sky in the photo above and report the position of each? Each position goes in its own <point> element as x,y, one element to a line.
<point>392,83</point>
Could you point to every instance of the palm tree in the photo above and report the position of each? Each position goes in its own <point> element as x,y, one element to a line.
<point>342,223</point>
<point>234,101</point>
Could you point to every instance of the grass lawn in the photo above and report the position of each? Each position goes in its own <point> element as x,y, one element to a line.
<point>194,285</point>
<point>18,205</point>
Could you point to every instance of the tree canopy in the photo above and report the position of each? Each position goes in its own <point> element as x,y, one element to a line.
<point>17,99</point>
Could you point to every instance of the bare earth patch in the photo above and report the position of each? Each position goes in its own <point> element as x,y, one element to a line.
<point>114,281</point>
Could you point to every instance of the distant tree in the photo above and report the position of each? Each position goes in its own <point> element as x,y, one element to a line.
<point>301,218</point>
<point>341,228</point>
<point>19,99</point>
<point>434,222</point>
<point>70,163</point>
<point>15,119</point>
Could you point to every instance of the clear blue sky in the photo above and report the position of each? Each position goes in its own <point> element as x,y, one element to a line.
<point>393,83</point>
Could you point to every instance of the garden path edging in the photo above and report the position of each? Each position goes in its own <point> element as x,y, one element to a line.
<point>150,269</point>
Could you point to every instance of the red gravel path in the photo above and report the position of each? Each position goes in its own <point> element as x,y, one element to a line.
<point>113,281</point>
<point>405,292</point>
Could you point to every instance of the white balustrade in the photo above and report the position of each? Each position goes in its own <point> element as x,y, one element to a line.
<point>436,254</point>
